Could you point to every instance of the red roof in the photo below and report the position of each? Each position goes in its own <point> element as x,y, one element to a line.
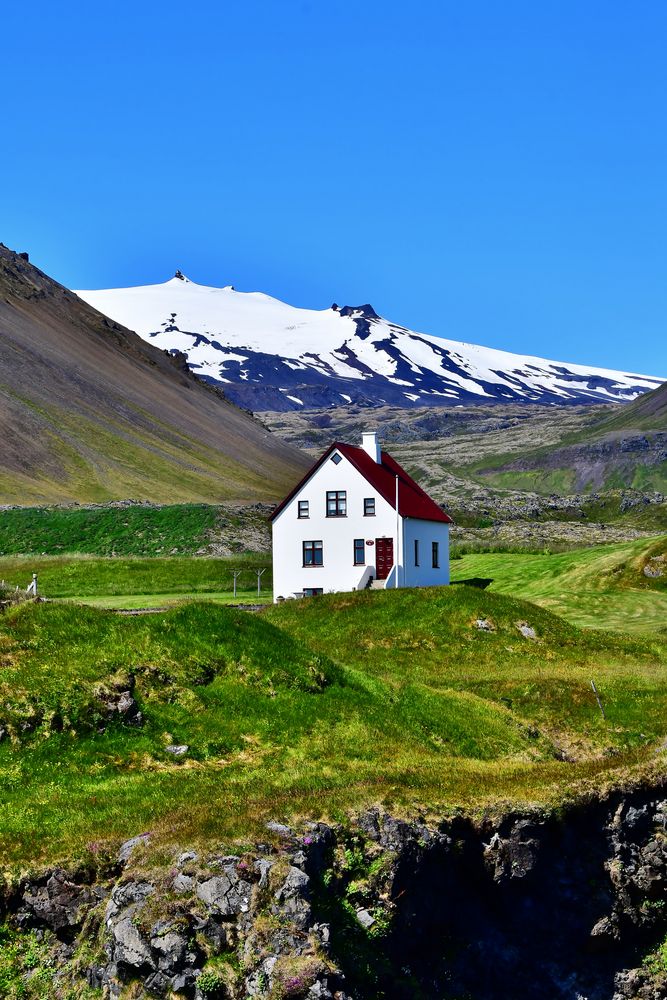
<point>413,501</point>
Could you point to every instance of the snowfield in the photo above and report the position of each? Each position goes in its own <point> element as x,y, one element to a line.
<point>261,350</point>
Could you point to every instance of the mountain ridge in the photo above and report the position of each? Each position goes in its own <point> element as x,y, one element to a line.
<point>90,412</point>
<point>268,355</point>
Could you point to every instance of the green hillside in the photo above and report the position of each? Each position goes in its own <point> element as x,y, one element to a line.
<point>647,412</point>
<point>624,450</point>
<point>312,708</point>
<point>132,530</point>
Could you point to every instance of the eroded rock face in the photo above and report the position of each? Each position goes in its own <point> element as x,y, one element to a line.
<point>535,905</point>
<point>226,894</point>
<point>58,902</point>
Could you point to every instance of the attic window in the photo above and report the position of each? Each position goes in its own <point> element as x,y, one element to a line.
<point>336,458</point>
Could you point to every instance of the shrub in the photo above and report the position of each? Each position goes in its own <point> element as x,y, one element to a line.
<point>210,983</point>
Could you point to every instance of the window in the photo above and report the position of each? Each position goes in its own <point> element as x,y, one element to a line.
<point>359,552</point>
<point>417,552</point>
<point>312,553</point>
<point>304,508</point>
<point>336,458</point>
<point>435,555</point>
<point>312,591</point>
<point>336,503</point>
<point>369,507</point>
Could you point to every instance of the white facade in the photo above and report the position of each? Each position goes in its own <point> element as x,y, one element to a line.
<point>384,541</point>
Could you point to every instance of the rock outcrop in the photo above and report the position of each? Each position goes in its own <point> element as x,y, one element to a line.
<point>539,905</point>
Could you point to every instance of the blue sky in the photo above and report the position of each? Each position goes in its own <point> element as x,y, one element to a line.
<point>492,172</point>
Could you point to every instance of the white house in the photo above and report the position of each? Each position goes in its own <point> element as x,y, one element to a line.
<point>356,520</point>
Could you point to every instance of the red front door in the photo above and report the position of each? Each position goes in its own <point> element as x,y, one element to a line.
<point>384,557</point>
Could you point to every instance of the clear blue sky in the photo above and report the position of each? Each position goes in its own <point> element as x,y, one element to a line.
<point>495,172</point>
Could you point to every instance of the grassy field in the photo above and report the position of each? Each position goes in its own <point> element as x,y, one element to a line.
<point>312,708</point>
<point>603,587</point>
<point>139,583</point>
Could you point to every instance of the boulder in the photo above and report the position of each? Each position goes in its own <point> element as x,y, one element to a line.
<point>169,946</point>
<point>129,948</point>
<point>55,902</point>
<point>225,894</point>
<point>126,849</point>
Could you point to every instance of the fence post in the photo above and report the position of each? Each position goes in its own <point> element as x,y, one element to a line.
<point>236,574</point>
<point>597,698</point>
<point>260,573</point>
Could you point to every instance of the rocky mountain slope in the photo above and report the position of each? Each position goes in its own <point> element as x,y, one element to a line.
<point>623,449</point>
<point>560,471</point>
<point>90,412</point>
<point>648,412</point>
<point>272,356</point>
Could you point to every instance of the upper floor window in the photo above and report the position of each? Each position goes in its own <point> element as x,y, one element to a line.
<point>359,552</point>
<point>417,552</point>
<point>336,503</point>
<point>304,508</point>
<point>369,507</point>
<point>435,555</point>
<point>312,554</point>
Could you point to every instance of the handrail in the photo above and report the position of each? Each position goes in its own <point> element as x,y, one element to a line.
<point>364,578</point>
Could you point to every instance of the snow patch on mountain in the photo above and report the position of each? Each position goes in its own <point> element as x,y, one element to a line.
<point>270,355</point>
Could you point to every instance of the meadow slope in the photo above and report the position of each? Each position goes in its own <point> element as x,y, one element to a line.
<point>604,587</point>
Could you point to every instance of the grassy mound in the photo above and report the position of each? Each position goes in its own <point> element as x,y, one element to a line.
<point>59,661</point>
<point>312,708</point>
<point>646,571</point>
<point>508,652</point>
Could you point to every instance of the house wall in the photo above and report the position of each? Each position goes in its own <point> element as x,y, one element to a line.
<point>424,575</point>
<point>338,573</point>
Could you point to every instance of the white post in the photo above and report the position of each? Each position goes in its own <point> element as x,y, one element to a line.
<point>259,572</point>
<point>398,522</point>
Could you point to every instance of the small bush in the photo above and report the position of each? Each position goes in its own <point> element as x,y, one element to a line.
<point>210,983</point>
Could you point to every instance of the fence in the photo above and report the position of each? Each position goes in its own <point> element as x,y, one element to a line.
<point>16,594</point>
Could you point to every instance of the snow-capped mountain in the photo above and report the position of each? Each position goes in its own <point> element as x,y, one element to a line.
<point>272,356</point>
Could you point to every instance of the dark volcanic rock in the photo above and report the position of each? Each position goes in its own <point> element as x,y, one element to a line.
<point>56,902</point>
<point>538,905</point>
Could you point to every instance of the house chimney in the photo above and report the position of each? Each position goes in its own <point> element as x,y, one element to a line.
<point>370,445</point>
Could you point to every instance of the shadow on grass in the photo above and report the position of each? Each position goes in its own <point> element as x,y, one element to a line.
<point>481,582</point>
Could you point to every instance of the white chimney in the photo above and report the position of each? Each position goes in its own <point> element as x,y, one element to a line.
<point>370,445</point>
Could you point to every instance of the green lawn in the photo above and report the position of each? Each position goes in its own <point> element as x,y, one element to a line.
<point>137,602</point>
<point>602,587</point>
<point>137,582</point>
